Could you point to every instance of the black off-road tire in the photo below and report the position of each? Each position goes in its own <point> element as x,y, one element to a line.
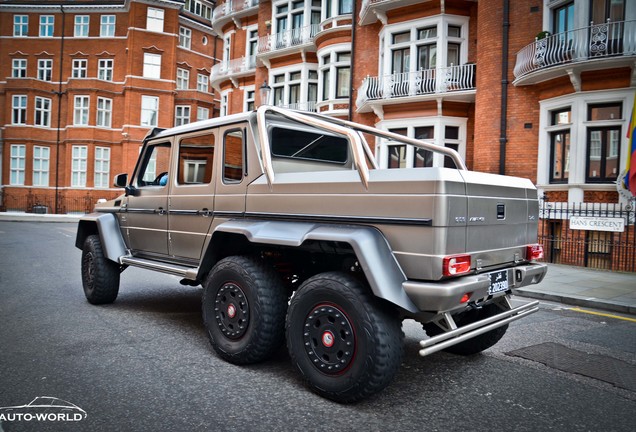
<point>478,343</point>
<point>100,276</point>
<point>244,305</point>
<point>346,344</point>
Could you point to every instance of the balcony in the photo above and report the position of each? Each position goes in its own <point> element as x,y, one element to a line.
<point>232,70</point>
<point>374,10</point>
<point>452,83</point>
<point>599,46</point>
<point>301,106</point>
<point>232,10</point>
<point>287,42</point>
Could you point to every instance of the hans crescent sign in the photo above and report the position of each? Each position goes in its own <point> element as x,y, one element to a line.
<point>597,224</point>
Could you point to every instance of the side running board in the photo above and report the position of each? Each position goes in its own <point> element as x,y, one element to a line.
<point>185,272</point>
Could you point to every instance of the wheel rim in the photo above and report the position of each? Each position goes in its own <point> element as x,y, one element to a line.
<point>232,311</point>
<point>329,339</point>
<point>89,263</point>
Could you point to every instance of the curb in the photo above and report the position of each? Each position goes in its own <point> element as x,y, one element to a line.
<point>578,301</point>
<point>32,217</point>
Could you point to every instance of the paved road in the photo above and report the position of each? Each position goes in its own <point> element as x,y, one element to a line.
<point>144,363</point>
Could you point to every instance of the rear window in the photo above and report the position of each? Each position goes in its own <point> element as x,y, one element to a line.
<point>305,145</point>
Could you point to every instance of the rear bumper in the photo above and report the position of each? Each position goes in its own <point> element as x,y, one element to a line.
<point>445,296</point>
<point>461,334</point>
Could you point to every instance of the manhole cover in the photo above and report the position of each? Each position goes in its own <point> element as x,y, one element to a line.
<point>600,367</point>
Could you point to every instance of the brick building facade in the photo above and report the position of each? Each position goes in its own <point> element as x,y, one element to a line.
<point>541,89</point>
<point>84,81</point>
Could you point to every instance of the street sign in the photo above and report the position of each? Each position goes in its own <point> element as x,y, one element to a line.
<point>597,223</point>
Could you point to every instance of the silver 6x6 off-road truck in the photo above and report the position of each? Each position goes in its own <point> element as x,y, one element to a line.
<point>296,235</point>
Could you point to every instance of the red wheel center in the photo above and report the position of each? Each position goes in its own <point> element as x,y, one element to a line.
<point>328,339</point>
<point>231,311</point>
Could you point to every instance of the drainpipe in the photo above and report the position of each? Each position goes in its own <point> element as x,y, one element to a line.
<point>503,138</point>
<point>354,13</point>
<point>59,116</point>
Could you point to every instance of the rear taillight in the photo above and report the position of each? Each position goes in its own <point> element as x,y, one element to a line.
<point>534,252</point>
<point>456,265</point>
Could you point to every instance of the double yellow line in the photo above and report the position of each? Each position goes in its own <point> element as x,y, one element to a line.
<point>603,314</point>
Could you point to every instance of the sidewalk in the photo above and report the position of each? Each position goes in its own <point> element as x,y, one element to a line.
<point>579,286</point>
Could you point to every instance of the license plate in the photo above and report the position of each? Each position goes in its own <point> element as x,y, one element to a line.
<point>498,281</point>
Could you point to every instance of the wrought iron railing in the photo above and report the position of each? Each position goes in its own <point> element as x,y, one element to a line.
<point>597,41</point>
<point>46,202</point>
<point>232,6</point>
<point>288,39</point>
<point>589,235</point>
<point>232,67</point>
<point>301,106</point>
<point>422,82</point>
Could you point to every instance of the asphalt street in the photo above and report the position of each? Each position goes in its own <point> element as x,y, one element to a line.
<point>144,363</point>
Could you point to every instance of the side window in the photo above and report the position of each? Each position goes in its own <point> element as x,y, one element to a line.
<point>155,166</point>
<point>196,157</point>
<point>233,156</point>
<point>310,146</point>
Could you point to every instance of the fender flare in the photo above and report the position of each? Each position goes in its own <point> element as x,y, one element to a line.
<point>107,226</point>
<point>372,250</point>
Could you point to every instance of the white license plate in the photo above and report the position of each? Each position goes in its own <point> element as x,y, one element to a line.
<point>498,281</point>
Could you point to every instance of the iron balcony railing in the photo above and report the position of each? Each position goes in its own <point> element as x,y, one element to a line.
<point>300,106</point>
<point>232,6</point>
<point>597,41</point>
<point>233,67</point>
<point>422,82</point>
<point>287,39</point>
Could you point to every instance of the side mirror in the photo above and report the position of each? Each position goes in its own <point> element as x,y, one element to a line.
<point>121,180</point>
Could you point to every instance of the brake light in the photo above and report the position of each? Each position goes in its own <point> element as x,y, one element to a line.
<point>456,265</point>
<point>534,252</point>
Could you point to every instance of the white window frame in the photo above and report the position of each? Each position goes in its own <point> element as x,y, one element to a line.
<point>17,166</point>
<point>185,37</point>
<point>225,102</point>
<point>19,68</point>
<point>578,104</point>
<point>149,111</point>
<point>152,66</point>
<point>101,171</point>
<point>79,164</point>
<point>104,114</point>
<point>203,83</point>
<point>441,22</point>
<point>19,109</point>
<point>249,97</point>
<point>81,108</point>
<point>20,25</point>
<point>42,112</point>
<point>438,124</point>
<point>41,166</point>
<point>47,26</point>
<point>251,36</point>
<point>203,113</point>
<point>107,25</point>
<point>182,115</point>
<point>82,26</point>
<point>154,19</point>
<point>80,68</point>
<point>305,70</point>
<point>45,69</point>
<point>183,79</point>
<point>331,68</point>
<point>105,68</point>
<point>197,7</point>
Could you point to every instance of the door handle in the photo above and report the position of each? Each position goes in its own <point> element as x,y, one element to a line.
<point>161,211</point>
<point>205,212</point>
